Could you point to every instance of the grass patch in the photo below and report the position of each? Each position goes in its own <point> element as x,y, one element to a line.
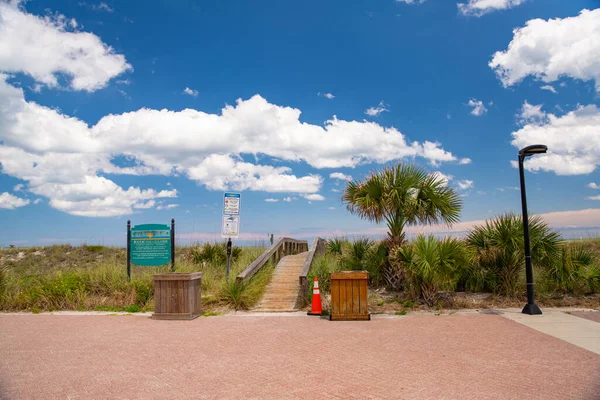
<point>83,278</point>
<point>210,314</point>
<point>403,312</point>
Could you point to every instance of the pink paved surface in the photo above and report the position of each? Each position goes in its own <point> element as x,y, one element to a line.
<point>413,357</point>
<point>591,315</point>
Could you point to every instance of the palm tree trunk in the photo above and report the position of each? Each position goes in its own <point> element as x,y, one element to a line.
<point>394,277</point>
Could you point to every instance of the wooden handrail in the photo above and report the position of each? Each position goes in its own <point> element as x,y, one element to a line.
<point>317,248</point>
<point>283,246</point>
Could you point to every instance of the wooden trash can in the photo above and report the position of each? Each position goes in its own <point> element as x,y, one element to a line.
<point>349,295</point>
<point>177,295</point>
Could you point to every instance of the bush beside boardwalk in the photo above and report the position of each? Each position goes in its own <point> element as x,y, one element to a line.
<point>484,270</point>
<point>63,277</point>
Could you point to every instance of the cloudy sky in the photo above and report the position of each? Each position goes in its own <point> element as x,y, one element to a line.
<point>112,111</point>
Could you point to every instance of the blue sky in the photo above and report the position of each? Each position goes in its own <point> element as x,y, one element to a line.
<point>112,111</point>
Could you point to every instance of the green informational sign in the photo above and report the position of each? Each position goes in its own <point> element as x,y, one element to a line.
<point>150,245</point>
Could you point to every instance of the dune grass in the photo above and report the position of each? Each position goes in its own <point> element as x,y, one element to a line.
<point>95,278</point>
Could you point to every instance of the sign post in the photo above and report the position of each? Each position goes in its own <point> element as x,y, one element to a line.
<point>230,227</point>
<point>128,250</point>
<point>172,244</point>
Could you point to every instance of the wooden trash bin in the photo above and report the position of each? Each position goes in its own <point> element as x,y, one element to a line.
<point>177,295</point>
<point>349,295</point>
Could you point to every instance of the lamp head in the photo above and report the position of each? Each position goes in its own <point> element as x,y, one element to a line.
<point>533,149</point>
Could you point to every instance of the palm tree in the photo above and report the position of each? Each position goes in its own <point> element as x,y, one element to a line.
<point>431,264</point>
<point>499,251</point>
<point>402,195</point>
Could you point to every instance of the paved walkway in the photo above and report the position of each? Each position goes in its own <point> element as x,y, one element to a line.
<point>282,292</point>
<point>568,326</point>
<point>470,356</point>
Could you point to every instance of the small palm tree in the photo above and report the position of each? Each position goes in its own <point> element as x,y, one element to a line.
<point>573,268</point>
<point>431,265</point>
<point>402,195</point>
<point>499,250</point>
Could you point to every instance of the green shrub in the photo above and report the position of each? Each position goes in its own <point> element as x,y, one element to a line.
<point>133,308</point>
<point>94,249</point>
<point>431,265</point>
<point>143,292</point>
<point>214,253</point>
<point>321,268</point>
<point>499,251</point>
<point>573,270</point>
<point>244,295</point>
<point>335,246</point>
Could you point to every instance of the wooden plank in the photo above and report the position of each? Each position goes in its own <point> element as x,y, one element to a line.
<point>343,300</point>
<point>157,296</point>
<point>177,316</point>
<point>355,296</point>
<point>273,253</point>
<point>180,297</point>
<point>364,297</point>
<point>348,284</point>
<point>335,296</point>
<point>186,296</point>
<point>350,275</point>
<point>198,292</point>
<point>349,317</point>
<point>163,296</point>
<point>309,258</point>
<point>177,276</point>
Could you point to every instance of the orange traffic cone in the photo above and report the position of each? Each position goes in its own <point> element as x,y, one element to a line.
<point>316,300</point>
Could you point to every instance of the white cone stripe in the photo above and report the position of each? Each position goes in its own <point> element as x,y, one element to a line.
<point>316,285</point>
<point>316,291</point>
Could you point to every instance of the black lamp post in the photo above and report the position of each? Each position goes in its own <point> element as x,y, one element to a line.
<point>530,308</point>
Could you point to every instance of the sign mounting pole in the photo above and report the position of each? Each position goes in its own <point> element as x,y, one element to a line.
<point>172,244</point>
<point>128,250</point>
<point>228,259</point>
<point>231,223</point>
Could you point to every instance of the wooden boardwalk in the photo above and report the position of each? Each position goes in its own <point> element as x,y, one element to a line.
<point>282,292</point>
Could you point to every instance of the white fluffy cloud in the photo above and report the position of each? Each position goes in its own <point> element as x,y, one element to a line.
<point>549,88</point>
<point>313,197</point>
<point>341,176</point>
<point>410,1</point>
<point>201,146</point>
<point>465,184</point>
<point>549,50</point>
<point>478,107</point>
<point>11,202</point>
<point>222,172</point>
<point>376,111</point>
<point>190,92</point>
<point>45,47</point>
<point>68,161</point>
<point>573,141</point>
<point>593,185</point>
<point>271,200</point>
<point>167,206</point>
<point>442,177</point>
<point>531,114</point>
<point>326,95</point>
<point>480,7</point>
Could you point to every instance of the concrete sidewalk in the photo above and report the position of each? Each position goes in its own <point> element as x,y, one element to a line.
<point>460,356</point>
<point>581,332</point>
